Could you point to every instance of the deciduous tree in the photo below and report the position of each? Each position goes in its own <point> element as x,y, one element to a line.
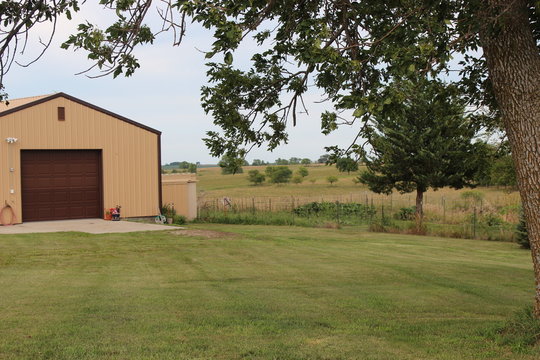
<point>256,177</point>
<point>278,174</point>
<point>231,165</point>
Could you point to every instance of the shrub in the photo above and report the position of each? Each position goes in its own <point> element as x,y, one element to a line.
<point>179,219</point>
<point>278,174</point>
<point>331,209</point>
<point>302,171</point>
<point>521,332</point>
<point>406,213</point>
<point>381,224</point>
<point>257,218</point>
<point>297,179</point>
<point>332,179</point>
<point>491,219</point>
<point>256,177</point>
<point>522,236</point>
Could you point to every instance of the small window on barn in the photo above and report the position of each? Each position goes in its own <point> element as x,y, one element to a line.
<point>61,113</point>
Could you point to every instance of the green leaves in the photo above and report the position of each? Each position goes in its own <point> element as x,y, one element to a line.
<point>228,58</point>
<point>424,141</point>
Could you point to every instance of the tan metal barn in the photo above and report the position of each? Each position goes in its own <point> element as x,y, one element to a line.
<point>63,158</point>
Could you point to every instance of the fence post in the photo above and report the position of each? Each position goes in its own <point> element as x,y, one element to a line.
<point>444,210</point>
<point>474,223</point>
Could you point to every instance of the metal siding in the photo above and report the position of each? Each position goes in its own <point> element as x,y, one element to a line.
<point>130,153</point>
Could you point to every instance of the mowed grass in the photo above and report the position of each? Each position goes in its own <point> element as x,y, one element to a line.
<point>258,292</point>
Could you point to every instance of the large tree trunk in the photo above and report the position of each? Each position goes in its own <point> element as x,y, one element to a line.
<point>513,61</point>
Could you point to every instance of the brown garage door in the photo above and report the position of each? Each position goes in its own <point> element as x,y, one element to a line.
<point>61,184</point>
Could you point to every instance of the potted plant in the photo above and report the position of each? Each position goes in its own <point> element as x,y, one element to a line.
<point>108,215</point>
<point>168,211</point>
<point>115,212</point>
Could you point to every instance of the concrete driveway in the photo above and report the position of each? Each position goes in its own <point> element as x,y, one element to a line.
<point>92,226</point>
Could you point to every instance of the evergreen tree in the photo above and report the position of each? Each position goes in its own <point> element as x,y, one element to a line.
<point>422,142</point>
<point>522,235</point>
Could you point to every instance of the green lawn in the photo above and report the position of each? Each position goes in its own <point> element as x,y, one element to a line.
<point>258,293</point>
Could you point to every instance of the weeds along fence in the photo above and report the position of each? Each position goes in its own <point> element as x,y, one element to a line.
<point>468,217</point>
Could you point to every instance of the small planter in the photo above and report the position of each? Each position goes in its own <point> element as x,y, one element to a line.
<point>113,213</point>
<point>169,220</point>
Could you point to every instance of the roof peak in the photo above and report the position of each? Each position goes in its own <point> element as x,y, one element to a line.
<point>22,103</point>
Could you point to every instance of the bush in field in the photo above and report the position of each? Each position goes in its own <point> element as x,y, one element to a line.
<point>313,180</point>
<point>256,177</point>
<point>302,171</point>
<point>297,179</point>
<point>332,179</point>
<point>278,174</point>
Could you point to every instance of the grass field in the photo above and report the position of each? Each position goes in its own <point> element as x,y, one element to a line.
<point>212,184</point>
<point>446,209</point>
<point>253,292</point>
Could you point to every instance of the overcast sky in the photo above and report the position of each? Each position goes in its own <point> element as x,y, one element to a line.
<point>164,93</point>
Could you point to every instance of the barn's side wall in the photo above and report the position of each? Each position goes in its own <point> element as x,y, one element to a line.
<point>130,153</point>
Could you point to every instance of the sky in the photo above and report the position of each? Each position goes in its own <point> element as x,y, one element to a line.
<point>163,94</point>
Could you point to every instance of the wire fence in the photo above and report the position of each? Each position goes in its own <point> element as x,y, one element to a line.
<point>492,219</point>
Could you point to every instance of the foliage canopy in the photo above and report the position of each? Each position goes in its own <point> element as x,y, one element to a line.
<point>423,142</point>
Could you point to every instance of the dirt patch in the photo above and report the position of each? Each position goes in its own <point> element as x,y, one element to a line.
<point>209,234</point>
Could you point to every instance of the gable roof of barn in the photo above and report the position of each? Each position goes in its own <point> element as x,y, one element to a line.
<point>23,103</point>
